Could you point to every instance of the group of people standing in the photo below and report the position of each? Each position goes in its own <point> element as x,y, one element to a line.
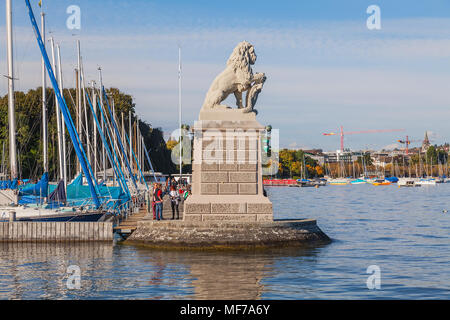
<point>176,192</point>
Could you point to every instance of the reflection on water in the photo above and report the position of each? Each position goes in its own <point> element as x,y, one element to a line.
<point>38,271</point>
<point>403,231</point>
<point>32,270</point>
<point>224,275</point>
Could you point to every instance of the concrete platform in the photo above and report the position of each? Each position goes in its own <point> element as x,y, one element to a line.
<point>183,235</point>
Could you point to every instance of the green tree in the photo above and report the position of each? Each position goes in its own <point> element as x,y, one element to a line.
<point>29,132</point>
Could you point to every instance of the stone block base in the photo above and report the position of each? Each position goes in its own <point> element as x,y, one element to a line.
<point>228,208</point>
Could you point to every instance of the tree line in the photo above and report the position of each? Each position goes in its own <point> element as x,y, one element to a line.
<point>296,164</point>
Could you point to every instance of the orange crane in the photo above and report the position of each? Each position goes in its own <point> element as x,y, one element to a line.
<point>342,134</point>
<point>407,142</point>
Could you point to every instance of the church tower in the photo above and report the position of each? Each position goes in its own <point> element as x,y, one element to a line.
<point>426,143</point>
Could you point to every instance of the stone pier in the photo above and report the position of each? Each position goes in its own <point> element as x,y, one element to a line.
<point>227,170</point>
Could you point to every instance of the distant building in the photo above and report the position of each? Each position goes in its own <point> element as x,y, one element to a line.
<point>334,157</point>
<point>426,143</point>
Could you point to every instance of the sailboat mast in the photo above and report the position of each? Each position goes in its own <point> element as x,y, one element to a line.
<point>131,141</point>
<point>123,139</point>
<point>44,101</point>
<point>138,145</point>
<point>58,119</point>
<point>79,97</point>
<point>136,139</point>
<point>94,99</point>
<point>11,102</point>
<point>114,135</point>
<point>103,128</point>
<point>86,131</point>
<point>63,127</point>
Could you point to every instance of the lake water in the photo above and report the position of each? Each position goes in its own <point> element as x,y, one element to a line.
<point>403,231</point>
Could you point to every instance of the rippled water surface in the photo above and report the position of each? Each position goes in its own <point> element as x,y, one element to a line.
<point>404,231</point>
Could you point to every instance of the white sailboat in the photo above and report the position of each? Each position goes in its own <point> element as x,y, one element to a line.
<point>408,182</point>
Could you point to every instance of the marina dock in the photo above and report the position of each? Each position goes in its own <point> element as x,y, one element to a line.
<point>26,231</point>
<point>55,231</point>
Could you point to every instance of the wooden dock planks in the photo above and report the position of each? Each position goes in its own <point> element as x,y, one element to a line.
<point>55,231</point>
<point>130,224</point>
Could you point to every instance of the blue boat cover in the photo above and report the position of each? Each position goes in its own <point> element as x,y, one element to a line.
<point>78,194</point>
<point>78,181</point>
<point>8,184</point>
<point>39,189</point>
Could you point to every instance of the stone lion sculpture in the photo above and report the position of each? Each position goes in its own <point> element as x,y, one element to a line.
<point>237,78</point>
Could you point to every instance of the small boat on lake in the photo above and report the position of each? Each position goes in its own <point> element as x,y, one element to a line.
<point>358,181</point>
<point>407,182</point>
<point>305,183</point>
<point>426,182</point>
<point>392,179</point>
<point>381,182</point>
<point>339,182</point>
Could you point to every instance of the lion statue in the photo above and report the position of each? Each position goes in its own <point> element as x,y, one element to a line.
<point>237,78</point>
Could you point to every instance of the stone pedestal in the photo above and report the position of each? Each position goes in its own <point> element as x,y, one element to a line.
<point>227,172</point>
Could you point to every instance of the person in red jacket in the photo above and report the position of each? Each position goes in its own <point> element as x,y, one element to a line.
<point>158,200</point>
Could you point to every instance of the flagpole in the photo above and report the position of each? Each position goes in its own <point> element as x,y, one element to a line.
<point>11,102</point>
<point>44,100</point>
<point>179,110</point>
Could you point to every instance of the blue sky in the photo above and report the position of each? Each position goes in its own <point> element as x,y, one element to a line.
<point>324,67</point>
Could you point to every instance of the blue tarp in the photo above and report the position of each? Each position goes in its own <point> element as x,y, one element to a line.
<point>78,181</point>
<point>76,193</point>
<point>39,189</point>
<point>80,194</point>
<point>34,193</point>
<point>8,184</point>
<point>392,179</point>
<point>30,200</point>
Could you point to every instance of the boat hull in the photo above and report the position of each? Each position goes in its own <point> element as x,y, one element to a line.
<point>382,183</point>
<point>52,217</point>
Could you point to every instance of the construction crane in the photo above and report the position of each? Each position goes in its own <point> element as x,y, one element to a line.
<point>342,133</point>
<point>407,142</point>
